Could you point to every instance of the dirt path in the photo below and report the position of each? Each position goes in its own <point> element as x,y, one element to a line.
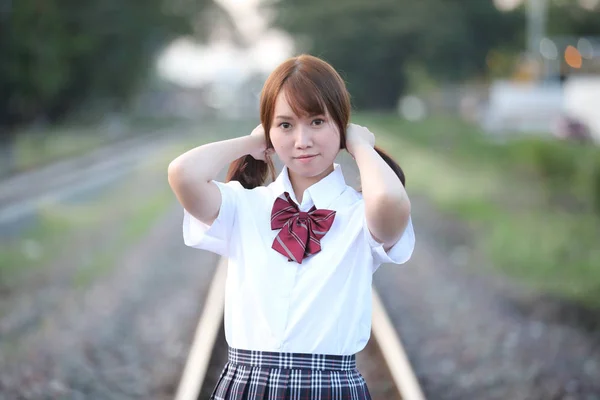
<point>464,332</point>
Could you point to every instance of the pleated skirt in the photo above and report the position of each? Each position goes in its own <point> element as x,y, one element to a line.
<point>260,375</point>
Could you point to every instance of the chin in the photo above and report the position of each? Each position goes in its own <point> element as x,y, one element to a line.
<point>308,171</point>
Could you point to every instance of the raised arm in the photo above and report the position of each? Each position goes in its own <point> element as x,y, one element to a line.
<point>387,206</point>
<point>190,175</point>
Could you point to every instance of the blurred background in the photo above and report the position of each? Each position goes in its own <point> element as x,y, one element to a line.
<point>490,106</point>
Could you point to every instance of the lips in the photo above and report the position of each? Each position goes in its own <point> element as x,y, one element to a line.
<point>304,157</point>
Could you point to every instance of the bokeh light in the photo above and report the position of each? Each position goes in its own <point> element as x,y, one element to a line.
<point>573,57</point>
<point>586,49</point>
<point>548,49</point>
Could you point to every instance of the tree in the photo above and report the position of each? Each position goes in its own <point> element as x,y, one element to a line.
<point>55,55</point>
<point>60,56</point>
<point>372,42</point>
<point>568,19</point>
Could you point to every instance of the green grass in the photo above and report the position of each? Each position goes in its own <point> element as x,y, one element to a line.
<point>34,147</point>
<point>148,209</point>
<point>51,236</point>
<point>137,224</point>
<point>129,210</point>
<point>534,202</point>
<point>35,247</point>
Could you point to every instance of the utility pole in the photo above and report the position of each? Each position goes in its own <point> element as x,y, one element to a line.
<point>536,25</point>
<point>536,30</point>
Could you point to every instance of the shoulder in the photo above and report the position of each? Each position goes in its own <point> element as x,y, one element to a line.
<point>248,199</point>
<point>235,197</point>
<point>236,188</point>
<point>231,186</point>
<point>350,198</point>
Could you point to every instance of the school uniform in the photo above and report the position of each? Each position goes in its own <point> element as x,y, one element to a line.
<point>294,323</point>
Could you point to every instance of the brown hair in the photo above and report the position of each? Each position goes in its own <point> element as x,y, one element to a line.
<point>311,86</point>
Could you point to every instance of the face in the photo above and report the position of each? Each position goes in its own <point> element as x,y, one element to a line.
<point>307,145</point>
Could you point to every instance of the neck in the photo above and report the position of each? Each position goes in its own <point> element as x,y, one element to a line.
<point>301,183</point>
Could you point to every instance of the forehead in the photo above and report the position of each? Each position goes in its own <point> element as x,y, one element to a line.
<point>298,105</point>
<point>282,106</point>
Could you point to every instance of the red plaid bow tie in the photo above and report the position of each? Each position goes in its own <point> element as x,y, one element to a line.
<point>300,231</point>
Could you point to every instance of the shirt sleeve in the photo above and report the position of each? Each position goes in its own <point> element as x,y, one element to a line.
<point>399,253</point>
<point>215,237</point>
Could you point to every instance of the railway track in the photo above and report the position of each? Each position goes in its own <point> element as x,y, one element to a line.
<point>383,362</point>
<point>387,372</point>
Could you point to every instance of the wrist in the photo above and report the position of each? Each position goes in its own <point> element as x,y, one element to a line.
<point>255,143</point>
<point>358,145</point>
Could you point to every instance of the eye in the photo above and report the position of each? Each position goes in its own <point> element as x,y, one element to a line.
<point>285,125</point>
<point>318,122</point>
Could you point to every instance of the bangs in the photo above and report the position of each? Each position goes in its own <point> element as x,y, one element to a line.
<point>303,96</point>
<point>311,87</point>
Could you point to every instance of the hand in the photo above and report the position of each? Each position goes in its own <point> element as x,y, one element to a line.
<point>357,135</point>
<point>259,149</point>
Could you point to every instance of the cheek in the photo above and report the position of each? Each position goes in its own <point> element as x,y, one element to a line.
<point>331,141</point>
<point>279,143</point>
<point>274,138</point>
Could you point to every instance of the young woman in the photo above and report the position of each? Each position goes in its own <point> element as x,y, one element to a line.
<point>301,250</point>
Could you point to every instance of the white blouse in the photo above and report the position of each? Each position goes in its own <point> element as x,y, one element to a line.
<point>321,306</point>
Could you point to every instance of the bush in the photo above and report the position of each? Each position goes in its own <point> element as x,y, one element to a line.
<point>549,160</point>
<point>564,169</point>
<point>532,198</point>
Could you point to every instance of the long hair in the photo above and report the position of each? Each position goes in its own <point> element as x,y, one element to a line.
<point>312,86</point>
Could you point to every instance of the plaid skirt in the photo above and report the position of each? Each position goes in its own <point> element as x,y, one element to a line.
<point>261,375</point>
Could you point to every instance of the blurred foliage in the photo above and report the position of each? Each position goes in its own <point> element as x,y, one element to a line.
<point>566,172</point>
<point>34,147</point>
<point>533,202</point>
<point>92,232</point>
<point>371,43</point>
<point>377,45</point>
<point>568,18</point>
<point>570,172</point>
<point>61,56</point>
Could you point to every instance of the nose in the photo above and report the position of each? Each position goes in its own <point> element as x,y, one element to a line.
<point>303,137</point>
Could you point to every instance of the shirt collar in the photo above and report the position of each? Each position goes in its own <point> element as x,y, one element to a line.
<point>321,194</point>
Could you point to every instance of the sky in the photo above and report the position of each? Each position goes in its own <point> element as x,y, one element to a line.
<point>191,64</point>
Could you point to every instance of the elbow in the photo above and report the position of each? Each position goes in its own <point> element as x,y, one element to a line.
<point>398,210</point>
<point>388,218</point>
<point>396,205</point>
<point>174,172</point>
<point>401,212</point>
<point>178,174</point>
